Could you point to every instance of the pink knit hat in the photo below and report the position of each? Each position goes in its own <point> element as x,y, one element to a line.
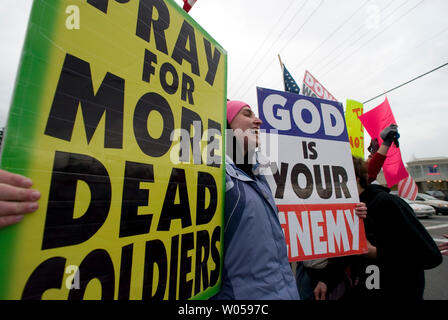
<point>233,107</point>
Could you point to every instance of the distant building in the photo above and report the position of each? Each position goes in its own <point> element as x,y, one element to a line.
<point>428,173</point>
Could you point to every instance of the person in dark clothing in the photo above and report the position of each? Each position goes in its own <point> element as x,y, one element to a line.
<point>400,246</point>
<point>400,249</point>
<point>333,282</point>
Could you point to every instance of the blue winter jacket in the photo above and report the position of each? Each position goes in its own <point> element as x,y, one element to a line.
<point>256,264</point>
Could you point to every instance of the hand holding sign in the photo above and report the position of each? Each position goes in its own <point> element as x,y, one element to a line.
<point>389,135</point>
<point>361,210</point>
<point>16,198</point>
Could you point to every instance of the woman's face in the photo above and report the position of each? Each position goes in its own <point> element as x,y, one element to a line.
<point>246,128</point>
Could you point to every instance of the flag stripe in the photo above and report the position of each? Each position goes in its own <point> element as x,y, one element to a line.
<point>414,195</point>
<point>404,182</point>
<point>410,190</point>
<point>407,188</point>
<point>404,185</point>
<point>414,187</point>
<point>188,4</point>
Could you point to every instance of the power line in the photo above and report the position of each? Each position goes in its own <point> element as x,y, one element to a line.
<point>403,84</point>
<point>301,27</point>
<point>334,58</point>
<point>258,50</point>
<point>400,56</point>
<point>306,21</point>
<point>345,41</point>
<point>244,78</point>
<point>374,37</point>
<point>331,35</point>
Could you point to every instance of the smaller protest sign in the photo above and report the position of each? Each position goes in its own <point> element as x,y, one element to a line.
<point>313,88</point>
<point>354,127</point>
<point>375,121</point>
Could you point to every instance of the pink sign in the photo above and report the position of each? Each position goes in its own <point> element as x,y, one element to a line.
<point>374,122</point>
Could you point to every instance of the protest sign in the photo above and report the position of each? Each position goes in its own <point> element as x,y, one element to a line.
<point>108,95</point>
<point>354,127</point>
<point>375,121</point>
<point>313,179</point>
<point>313,88</point>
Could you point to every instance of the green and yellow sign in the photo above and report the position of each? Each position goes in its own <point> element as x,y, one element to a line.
<point>117,117</point>
<point>355,129</point>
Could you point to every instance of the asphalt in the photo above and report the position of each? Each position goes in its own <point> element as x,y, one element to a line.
<point>437,278</point>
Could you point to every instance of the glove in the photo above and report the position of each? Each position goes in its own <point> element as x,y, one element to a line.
<point>373,147</point>
<point>389,135</point>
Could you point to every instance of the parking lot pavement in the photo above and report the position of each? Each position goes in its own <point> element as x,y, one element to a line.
<point>437,278</point>
<point>437,226</point>
<point>437,282</point>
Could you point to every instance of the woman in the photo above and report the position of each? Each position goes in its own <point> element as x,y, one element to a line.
<point>256,263</point>
<point>255,255</point>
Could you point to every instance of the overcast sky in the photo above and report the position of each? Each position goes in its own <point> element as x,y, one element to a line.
<point>356,48</point>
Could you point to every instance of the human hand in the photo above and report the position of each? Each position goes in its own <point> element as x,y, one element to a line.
<point>444,246</point>
<point>361,210</point>
<point>16,198</point>
<point>373,147</point>
<point>320,292</point>
<point>371,250</point>
<point>389,135</point>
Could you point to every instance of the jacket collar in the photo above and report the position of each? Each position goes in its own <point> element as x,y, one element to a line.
<point>234,172</point>
<point>261,163</point>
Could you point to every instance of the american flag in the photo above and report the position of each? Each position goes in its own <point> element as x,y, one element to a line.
<point>290,84</point>
<point>407,188</point>
<point>188,4</point>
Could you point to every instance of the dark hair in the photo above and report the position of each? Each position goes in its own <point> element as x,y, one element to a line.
<point>361,171</point>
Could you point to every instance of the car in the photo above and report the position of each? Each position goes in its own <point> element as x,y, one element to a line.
<point>421,210</point>
<point>437,194</point>
<point>440,205</point>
